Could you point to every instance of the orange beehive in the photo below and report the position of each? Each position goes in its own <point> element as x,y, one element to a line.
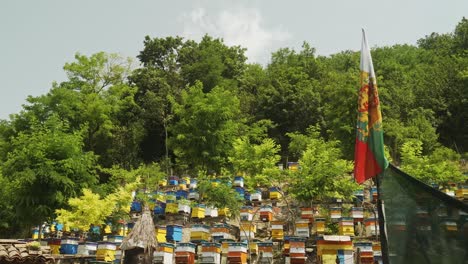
<point>185,253</point>
<point>237,253</point>
<point>266,213</point>
<point>307,213</point>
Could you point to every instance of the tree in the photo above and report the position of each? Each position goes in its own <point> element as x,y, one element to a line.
<point>206,126</point>
<point>323,174</point>
<point>47,165</point>
<point>441,167</point>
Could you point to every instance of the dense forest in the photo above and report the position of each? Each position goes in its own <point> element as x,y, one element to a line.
<point>199,108</point>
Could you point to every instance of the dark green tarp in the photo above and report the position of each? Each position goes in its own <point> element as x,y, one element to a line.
<point>423,225</point>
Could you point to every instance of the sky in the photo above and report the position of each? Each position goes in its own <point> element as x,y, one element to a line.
<point>39,37</point>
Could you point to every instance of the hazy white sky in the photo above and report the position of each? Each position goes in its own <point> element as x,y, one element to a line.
<point>38,37</point>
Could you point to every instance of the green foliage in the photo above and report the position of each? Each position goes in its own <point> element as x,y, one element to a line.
<point>46,167</point>
<point>440,167</point>
<point>220,195</point>
<point>206,126</point>
<point>323,173</point>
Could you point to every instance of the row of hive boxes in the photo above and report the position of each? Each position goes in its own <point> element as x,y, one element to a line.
<point>187,182</point>
<point>208,252</point>
<point>198,232</point>
<point>199,211</point>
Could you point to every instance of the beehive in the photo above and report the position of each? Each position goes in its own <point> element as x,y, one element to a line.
<point>174,233</point>
<point>211,253</point>
<point>246,213</point>
<point>366,253</point>
<point>105,251</point>
<point>161,233</point>
<point>331,247</point>
<point>297,252</point>
<point>164,253</point>
<point>302,228</point>
<point>220,231</point>
<point>256,196</point>
<point>335,213</point>
<point>275,193</point>
<point>238,181</point>
<point>237,253</point>
<point>346,226</point>
<point>307,213</point>
<point>199,232</point>
<point>372,226</point>
<point>198,211</point>
<point>277,232</point>
<point>185,253</point>
<point>319,226</point>
<point>247,230</point>
<point>211,211</point>
<point>266,213</point>
<point>357,213</point>
<point>172,207</point>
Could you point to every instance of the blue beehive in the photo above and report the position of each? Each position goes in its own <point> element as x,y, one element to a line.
<point>240,191</point>
<point>193,183</point>
<point>239,181</point>
<point>174,233</point>
<point>159,209</point>
<point>173,180</point>
<point>135,207</point>
<point>171,196</point>
<point>181,194</point>
<point>69,246</point>
<point>247,196</point>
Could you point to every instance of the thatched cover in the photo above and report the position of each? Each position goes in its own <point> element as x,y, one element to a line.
<point>142,235</point>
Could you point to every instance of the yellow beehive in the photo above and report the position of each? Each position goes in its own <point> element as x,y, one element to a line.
<point>247,226</point>
<point>253,247</point>
<point>172,208</point>
<point>346,227</point>
<point>161,232</point>
<point>198,211</point>
<point>200,233</point>
<point>319,226</point>
<point>105,251</point>
<point>163,183</point>
<point>224,212</point>
<point>274,193</point>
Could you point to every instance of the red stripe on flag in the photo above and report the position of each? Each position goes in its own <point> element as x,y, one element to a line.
<point>366,165</point>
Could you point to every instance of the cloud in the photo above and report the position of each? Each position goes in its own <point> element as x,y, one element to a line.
<point>242,26</point>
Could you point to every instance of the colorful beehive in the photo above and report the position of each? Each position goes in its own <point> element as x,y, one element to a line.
<point>174,233</point>
<point>224,212</point>
<point>35,233</point>
<point>185,253</point>
<point>357,213</point>
<point>346,226</point>
<point>297,252</point>
<point>246,213</point>
<point>163,183</point>
<point>256,196</point>
<point>215,182</point>
<point>266,213</point>
<point>193,183</point>
<point>69,246</point>
<point>449,225</point>
<point>211,211</point>
<point>302,228</point>
<point>335,213</point>
<point>161,233</point>
<point>105,251</point>
<point>377,250</point>
<point>277,231</point>
<point>237,253</point>
<point>183,184</point>
<point>54,244</point>
<point>220,231</point>
<point>307,213</point>
<point>265,251</point>
<point>293,166</point>
<point>329,248</point>
<point>240,191</point>
<point>462,192</point>
<point>115,239</point>
<point>198,211</point>
<point>247,230</point>
<point>159,209</point>
<point>423,222</point>
<point>247,196</point>
<point>253,246</point>
<point>183,207</point>
<point>172,207</point>
<point>372,226</point>
<point>275,193</point>
<point>238,181</point>
<point>319,226</point>
<point>87,248</point>
<point>199,233</point>
<point>210,253</point>
<point>135,206</point>
<point>359,194</point>
<point>225,245</point>
<point>164,253</point>
<point>364,251</point>
<point>193,195</point>
<point>374,194</point>
<point>181,194</point>
<point>171,196</point>
<point>173,181</point>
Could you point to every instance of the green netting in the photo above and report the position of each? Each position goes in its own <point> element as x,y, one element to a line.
<point>423,225</point>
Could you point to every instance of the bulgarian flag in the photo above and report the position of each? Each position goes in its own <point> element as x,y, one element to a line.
<point>369,157</point>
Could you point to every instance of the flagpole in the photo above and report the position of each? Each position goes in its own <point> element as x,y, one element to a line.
<point>382,223</point>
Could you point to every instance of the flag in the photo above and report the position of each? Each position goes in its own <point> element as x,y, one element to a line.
<point>369,157</point>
